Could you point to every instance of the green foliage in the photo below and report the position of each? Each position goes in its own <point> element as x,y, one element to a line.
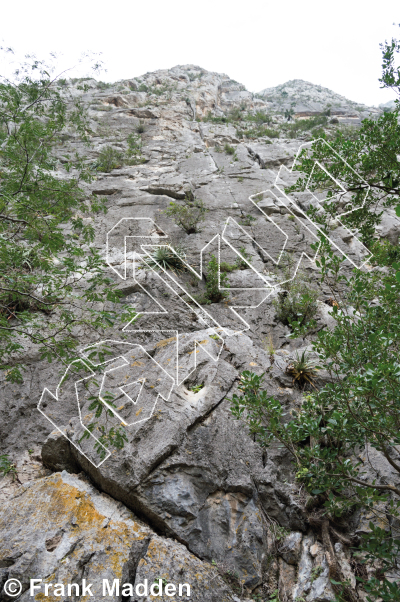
<point>227,267</point>
<point>215,280</point>
<point>109,158</point>
<point>260,117</point>
<point>134,152</point>
<point>247,220</point>
<point>188,215</point>
<point>140,128</point>
<point>7,467</point>
<point>104,85</point>
<point>316,572</point>
<point>360,405</point>
<point>259,131</point>
<point>51,279</point>
<point>114,437</point>
<point>229,149</point>
<point>384,253</point>
<point>304,125</point>
<point>274,596</point>
<point>240,262</point>
<point>167,258</point>
<point>196,388</point>
<point>378,143</point>
<point>289,114</point>
<point>296,306</point>
<point>157,583</point>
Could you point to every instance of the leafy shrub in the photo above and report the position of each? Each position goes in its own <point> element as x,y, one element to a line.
<point>213,119</point>
<point>189,215</point>
<point>215,279</point>
<point>260,117</point>
<point>227,267</point>
<point>104,85</point>
<point>259,132</point>
<point>134,152</point>
<point>240,264</point>
<point>109,158</point>
<point>235,114</point>
<point>296,307</point>
<point>7,467</point>
<point>229,149</point>
<point>303,125</point>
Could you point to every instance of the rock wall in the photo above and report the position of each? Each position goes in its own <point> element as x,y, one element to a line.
<point>191,497</point>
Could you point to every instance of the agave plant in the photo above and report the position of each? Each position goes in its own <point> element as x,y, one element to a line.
<point>167,258</point>
<point>303,371</point>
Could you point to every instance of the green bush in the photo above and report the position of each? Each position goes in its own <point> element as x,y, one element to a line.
<point>259,132</point>
<point>229,149</point>
<point>297,305</point>
<point>214,280</point>
<point>109,159</point>
<point>188,215</point>
<point>134,152</point>
<point>240,264</point>
<point>7,467</point>
<point>303,125</point>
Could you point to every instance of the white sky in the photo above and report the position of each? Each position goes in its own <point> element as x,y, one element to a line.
<point>258,43</point>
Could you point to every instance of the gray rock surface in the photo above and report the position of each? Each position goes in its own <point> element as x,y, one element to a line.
<point>205,496</point>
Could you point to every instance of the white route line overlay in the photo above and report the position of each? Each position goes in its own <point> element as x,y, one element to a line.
<point>217,328</point>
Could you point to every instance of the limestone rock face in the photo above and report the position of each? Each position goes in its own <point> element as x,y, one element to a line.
<point>62,529</point>
<point>191,497</point>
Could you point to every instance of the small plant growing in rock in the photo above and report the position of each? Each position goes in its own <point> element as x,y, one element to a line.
<point>196,388</point>
<point>247,220</point>
<point>224,266</point>
<point>140,128</point>
<point>109,158</point>
<point>7,467</point>
<point>303,371</point>
<point>188,215</point>
<point>167,258</point>
<point>316,572</point>
<point>269,343</point>
<point>229,149</point>
<point>107,437</point>
<point>297,305</point>
<point>240,263</point>
<point>216,279</point>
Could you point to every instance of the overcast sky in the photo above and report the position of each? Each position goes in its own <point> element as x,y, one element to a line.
<point>258,43</point>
